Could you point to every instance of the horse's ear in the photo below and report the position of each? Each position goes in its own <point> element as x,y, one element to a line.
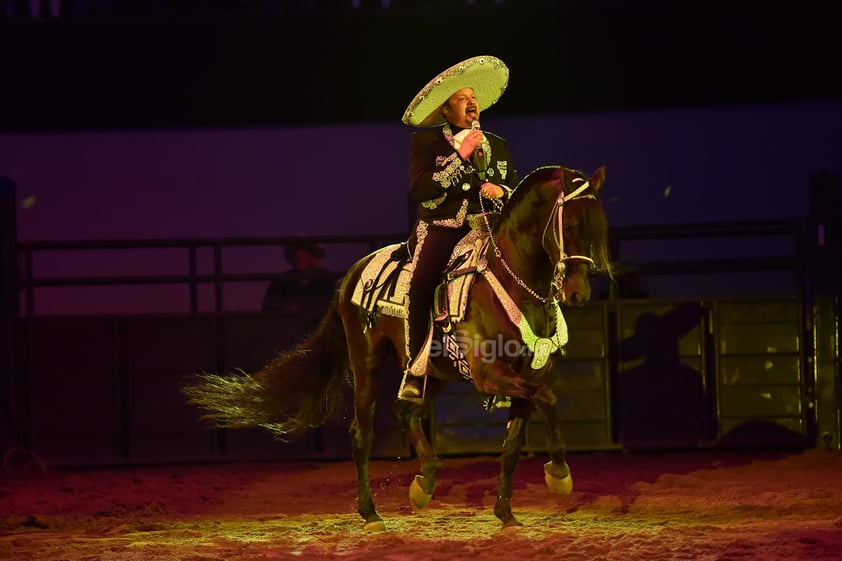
<point>597,178</point>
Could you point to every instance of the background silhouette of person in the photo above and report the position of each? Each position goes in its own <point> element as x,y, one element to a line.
<point>306,288</point>
<point>662,400</point>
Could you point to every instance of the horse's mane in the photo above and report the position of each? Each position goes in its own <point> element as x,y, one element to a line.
<point>524,187</point>
<point>594,221</point>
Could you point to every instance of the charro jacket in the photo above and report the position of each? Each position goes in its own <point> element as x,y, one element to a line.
<point>446,187</point>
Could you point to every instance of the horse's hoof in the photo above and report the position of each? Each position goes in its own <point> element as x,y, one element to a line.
<point>419,497</point>
<point>375,526</point>
<point>559,485</point>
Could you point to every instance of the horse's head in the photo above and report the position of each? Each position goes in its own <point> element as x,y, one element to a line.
<point>576,236</point>
<point>555,230</point>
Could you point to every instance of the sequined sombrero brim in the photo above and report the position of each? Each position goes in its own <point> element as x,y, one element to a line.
<point>487,75</point>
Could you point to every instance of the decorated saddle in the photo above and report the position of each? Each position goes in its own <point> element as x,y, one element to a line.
<point>385,279</point>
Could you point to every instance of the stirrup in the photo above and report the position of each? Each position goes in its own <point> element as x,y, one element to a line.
<point>416,371</point>
<point>412,388</point>
<point>493,402</point>
<point>418,366</point>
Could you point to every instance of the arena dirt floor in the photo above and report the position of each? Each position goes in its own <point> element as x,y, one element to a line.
<point>705,505</point>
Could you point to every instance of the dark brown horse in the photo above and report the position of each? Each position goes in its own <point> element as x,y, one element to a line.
<point>550,236</point>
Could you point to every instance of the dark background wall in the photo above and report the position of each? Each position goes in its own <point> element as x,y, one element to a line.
<point>664,165</point>
<point>175,120</point>
<point>182,63</point>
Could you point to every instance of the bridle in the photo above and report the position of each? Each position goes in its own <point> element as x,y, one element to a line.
<point>556,225</point>
<point>556,222</point>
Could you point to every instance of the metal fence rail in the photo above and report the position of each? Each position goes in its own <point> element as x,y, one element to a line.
<point>193,278</point>
<point>785,237</point>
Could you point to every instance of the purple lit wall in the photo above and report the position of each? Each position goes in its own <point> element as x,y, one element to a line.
<point>664,166</point>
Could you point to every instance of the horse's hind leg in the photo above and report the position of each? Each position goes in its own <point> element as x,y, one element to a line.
<point>367,360</point>
<point>556,472</point>
<point>512,445</point>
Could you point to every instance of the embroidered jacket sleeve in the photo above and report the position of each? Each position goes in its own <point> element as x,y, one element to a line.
<point>434,167</point>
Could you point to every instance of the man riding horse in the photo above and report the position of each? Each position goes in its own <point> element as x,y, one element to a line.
<point>513,267</point>
<point>452,164</point>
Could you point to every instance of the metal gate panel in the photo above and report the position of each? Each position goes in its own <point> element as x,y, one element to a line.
<point>251,340</point>
<point>578,379</point>
<point>583,408</point>
<point>460,424</point>
<point>587,332</point>
<point>161,353</point>
<point>582,385</point>
<point>761,398</point>
<point>746,431</point>
<point>772,369</point>
<point>75,414</point>
<point>743,339</point>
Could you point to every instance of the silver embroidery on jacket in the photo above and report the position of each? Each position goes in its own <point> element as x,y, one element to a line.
<point>433,203</point>
<point>451,173</point>
<point>458,220</point>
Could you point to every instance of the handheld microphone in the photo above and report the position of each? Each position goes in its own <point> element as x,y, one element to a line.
<point>480,159</point>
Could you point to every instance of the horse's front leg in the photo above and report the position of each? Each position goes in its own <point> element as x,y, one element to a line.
<point>556,471</point>
<point>512,444</point>
<point>422,487</point>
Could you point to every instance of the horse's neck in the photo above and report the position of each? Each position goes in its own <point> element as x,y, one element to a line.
<point>520,241</point>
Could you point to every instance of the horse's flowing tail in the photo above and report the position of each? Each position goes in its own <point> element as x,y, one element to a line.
<point>298,390</point>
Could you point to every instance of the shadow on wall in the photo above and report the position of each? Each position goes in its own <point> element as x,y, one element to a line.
<point>662,400</point>
<point>762,435</point>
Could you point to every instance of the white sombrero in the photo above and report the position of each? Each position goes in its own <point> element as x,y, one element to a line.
<point>487,75</point>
